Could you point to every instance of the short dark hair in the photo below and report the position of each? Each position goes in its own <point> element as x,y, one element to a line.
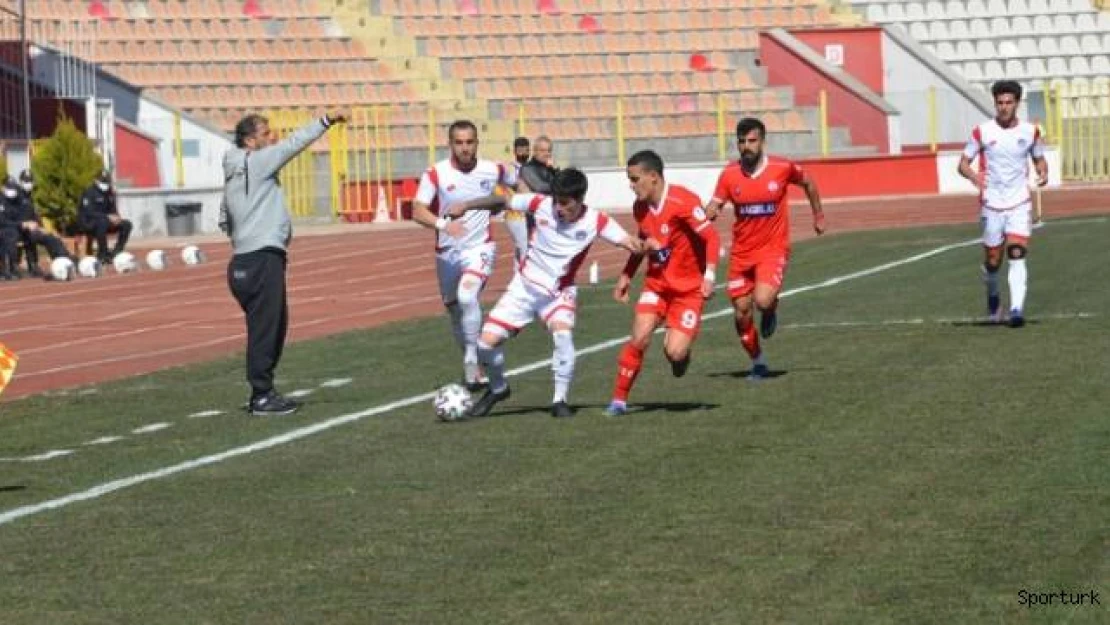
<point>1011,87</point>
<point>520,142</point>
<point>462,124</point>
<point>26,176</point>
<point>748,124</point>
<point>570,182</point>
<point>648,160</point>
<point>247,127</point>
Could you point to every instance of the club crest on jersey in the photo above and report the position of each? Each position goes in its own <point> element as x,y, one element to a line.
<point>581,235</point>
<point>543,222</point>
<point>1021,142</point>
<point>772,186</point>
<point>450,188</point>
<point>699,214</point>
<point>665,229</point>
<point>487,185</point>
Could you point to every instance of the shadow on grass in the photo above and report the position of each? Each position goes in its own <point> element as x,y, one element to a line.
<point>597,409</point>
<point>773,373</point>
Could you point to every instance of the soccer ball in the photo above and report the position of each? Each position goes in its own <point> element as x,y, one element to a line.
<point>452,402</point>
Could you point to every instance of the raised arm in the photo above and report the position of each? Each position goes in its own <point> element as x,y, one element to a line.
<point>269,161</point>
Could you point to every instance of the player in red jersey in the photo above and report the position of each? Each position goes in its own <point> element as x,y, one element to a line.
<point>682,259</point>
<point>756,187</point>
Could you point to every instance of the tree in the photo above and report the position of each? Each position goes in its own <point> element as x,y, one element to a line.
<point>64,166</point>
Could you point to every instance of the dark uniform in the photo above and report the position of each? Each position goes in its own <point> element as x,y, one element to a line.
<point>33,237</point>
<point>9,231</point>
<point>99,201</point>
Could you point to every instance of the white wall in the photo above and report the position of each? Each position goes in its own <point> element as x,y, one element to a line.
<point>909,70</point>
<point>609,189</point>
<point>205,170</point>
<point>146,208</point>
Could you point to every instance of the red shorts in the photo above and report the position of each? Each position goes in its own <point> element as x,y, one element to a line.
<point>681,311</point>
<point>744,272</point>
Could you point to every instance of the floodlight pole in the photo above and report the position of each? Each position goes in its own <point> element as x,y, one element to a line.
<point>23,54</point>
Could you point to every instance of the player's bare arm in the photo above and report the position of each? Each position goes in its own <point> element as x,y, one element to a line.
<point>424,216</point>
<point>712,242</point>
<point>620,291</point>
<point>1041,166</point>
<point>713,209</point>
<point>492,203</point>
<point>814,197</point>
<point>966,171</point>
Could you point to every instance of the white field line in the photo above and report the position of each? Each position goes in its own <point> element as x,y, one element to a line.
<point>106,488</point>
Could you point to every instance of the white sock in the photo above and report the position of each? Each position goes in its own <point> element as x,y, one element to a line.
<point>759,360</point>
<point>562,363</point>
<point>471,321</point>
<point>1017,278</point>
<point>990,278</point>
<point>493,359</point>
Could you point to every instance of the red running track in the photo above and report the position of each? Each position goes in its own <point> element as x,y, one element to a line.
<point>118,326</point>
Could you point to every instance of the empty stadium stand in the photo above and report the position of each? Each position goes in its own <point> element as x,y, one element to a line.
<point>488,60</point>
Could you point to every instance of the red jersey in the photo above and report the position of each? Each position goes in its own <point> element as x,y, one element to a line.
<point>687,238</point>
<point>762,207</point>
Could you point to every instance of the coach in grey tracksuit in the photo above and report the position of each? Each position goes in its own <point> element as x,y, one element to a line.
<point>254,215</point>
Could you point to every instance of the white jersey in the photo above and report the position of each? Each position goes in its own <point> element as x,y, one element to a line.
<point>444,185</point>
<point>558,248</point>
<point>1004,155</point>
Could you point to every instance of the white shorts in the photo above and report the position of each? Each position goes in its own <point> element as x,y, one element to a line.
<point>1014,223</point>
<point>452,264</point>
<point>524,301</point>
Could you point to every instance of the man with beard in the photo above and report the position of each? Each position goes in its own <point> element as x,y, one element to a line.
<point>464,247</point>
<point>757,188</point>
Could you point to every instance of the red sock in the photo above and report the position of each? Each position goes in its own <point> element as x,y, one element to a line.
<point>628,367</point>
<point>749,338</point>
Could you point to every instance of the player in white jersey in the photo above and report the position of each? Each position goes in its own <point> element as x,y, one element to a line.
<point>1004,146</point>
<point>465,250</point>
<point>544,285</point>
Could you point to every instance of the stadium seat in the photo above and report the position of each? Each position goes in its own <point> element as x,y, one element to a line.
<point>934,10</point>
<point>946,51</point>
<point>985,49</point>
<point>972,71</point>
<point>992,70</point>
<point>955,9</point>
<point>915,11</point>
<point>919,31</point>
<point>965,51</point>
<point>1021,25</point>
<point>958,29</point>
<point>1017,7</point>
<point>1100,65</point>
<point>1036,68</point>
<point>979,28</point>
<point>1079,66</point>
<point>1000,27</point>
<point>1069,45</point>
<point>976,8</point>
<point>1027,47</point>
<point>938,30</point>
<point>1015,69</point>
<point>876,13</point>
<point>1057,67</point>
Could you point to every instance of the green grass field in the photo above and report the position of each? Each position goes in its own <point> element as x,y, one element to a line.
<point>907,465</point>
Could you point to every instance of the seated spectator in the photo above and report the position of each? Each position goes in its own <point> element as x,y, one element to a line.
<point>31,232</point>
<point>9,231</point>
<point>97,216</point>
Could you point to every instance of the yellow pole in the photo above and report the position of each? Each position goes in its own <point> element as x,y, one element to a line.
<point>1090,125</point>
<point>431,136</point>
<point>824,122</point>
<point>620,132</point>
<point>178,157</point>
<point>335,137</point>
<point>389,157</point>
<point>1049,117</point>
<point>377,156</point>
<point>722,143</point>
<point>1104,128</point>
<point>355,179</point>
<point>520,118</point>
<point>932,99</point>
<point>1065,142</point>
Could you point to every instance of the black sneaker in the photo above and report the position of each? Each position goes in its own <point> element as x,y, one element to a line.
<point>482,407</point>
<point>273,405</point>
<point>679,367</point>
<point>560,409</point>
